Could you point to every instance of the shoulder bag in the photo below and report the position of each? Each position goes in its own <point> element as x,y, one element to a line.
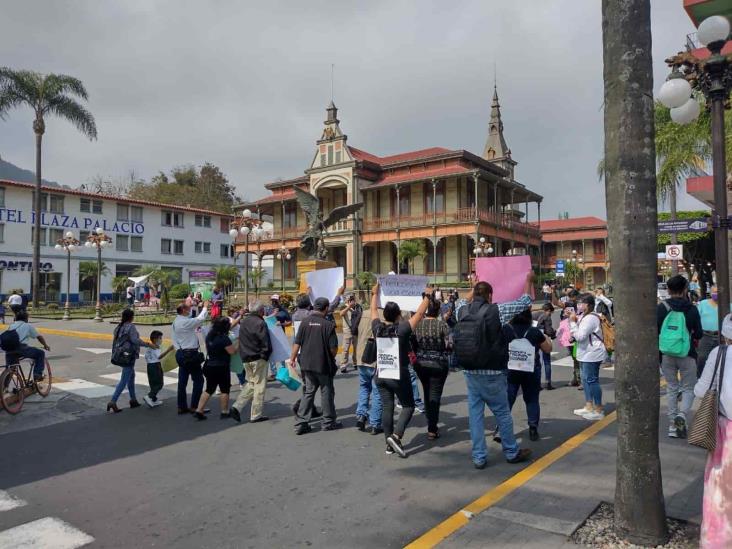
<point>703,432</point>
<point>123,352</point>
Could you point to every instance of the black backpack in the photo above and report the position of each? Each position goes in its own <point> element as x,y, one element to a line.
<point>9,341</point>
<point>478,342</point>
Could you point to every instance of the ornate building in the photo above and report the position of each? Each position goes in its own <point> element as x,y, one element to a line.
<point>447,199</point>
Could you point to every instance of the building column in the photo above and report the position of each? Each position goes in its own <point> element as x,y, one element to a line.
<point>475,186</point>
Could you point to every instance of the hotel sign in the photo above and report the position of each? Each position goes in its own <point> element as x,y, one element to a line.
<point>48,219</point>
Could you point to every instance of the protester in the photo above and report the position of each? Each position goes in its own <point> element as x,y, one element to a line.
<point>433,362</point>
<point>524,366</point>
<point>680,329</point>
<point>483,353</point>
<point>131,295</point>
<point>586,330</point>
<point>146,295</point>
<point>217,303</point>
<point>26,331</point>
<point>188,355</point>
<point>368,405</point>
<point>547,291</point>
<point>603,304</point>
<point>16,302</point>
<point>255,348</point>
<point>153,358</point>
<point>570,308</point>
<point>216,369</point>
<point>715,528</point>
<point>351,316</point>
<point>190,302</point>
<point>126,334</point>
<point>235,314</point>
<point>545,324</point>
<point>709,315</point>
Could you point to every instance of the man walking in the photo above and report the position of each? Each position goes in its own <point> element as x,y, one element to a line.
<point>316,346</point>
<point>680,328</point>
<point>351,316</point>
<point>255,349</point>
<point>188,355</point>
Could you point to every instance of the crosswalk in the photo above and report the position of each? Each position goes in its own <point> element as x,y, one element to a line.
<point>46,532</point>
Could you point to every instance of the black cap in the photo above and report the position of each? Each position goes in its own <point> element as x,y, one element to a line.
<point>321,304</point>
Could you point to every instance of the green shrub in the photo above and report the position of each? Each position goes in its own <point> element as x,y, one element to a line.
<point>53,306</point>
<point>179,291</point>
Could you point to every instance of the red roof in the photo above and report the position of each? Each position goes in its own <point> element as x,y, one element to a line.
<point>287,195</point>
<point>573,235</point>
<point>436,171</point>
<point>572,224</point>
<point>358,154</point>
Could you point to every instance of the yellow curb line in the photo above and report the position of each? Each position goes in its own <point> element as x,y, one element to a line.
<point>456,521</point>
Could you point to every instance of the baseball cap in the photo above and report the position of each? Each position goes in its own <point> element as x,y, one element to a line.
<point>275,296</point>
<point>321,304</point>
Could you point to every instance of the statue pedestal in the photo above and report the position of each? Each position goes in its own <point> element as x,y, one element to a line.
<point>308,265</point>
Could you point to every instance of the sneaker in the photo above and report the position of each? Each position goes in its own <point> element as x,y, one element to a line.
<point>480,465</point>
<point>523,455</point>
<point>672,433</point>
<point>303,428</point>
<point>396,445</point>
<point>361,423</point>
<point>332,426</point>
<point>373,430</point>
<point>581,412</point>
<point>594,416</point>
<point>680,425</point>
<point>150,403</point>
<point>533,434</point>
<point>235,415</point>
<point>389,451</point>
<point>418,411</point>
<point>157,403</point>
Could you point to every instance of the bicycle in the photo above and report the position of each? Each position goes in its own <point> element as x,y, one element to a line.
<point>15,385</point>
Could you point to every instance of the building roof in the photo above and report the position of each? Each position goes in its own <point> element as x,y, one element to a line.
<point>421,154</point>
<point>572,224</point>
<point>436,171</point>
<point>574,235</point>
<point>495,145</point>
<point>99,196</point>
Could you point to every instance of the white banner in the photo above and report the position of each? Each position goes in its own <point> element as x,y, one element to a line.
<point>404,290</point>
<point>521,355</point>
<point>325,283</point>
<point>280,344</point>
<point>387,357</point>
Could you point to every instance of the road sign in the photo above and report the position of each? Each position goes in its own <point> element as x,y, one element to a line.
<point>675,252</point>
<point>696,225</point>
<point>559,268</point>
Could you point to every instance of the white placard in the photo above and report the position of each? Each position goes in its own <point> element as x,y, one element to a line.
<point>674,252</point>
<point>325,283</point>
<point>387,357</point>
<point>404,290</point>
<point>521,355</point>
<point>296,327</point>
<point>280,344</point>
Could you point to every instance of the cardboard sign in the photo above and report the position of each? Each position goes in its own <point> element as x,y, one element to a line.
<point>387,357</point>
<point>280,344</point>
<point>507,275</point>
<point>325,283</point>
<point>404,290</point>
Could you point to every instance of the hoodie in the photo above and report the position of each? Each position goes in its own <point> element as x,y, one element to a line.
<point>693,320</point>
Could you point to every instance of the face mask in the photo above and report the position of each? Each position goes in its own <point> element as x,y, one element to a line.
<point>714,296</point>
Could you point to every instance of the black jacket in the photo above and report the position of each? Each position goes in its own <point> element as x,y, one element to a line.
<point>693,320</point>
<point>254,343</point>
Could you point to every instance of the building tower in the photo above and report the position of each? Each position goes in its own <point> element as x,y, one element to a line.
<point>496,150</point>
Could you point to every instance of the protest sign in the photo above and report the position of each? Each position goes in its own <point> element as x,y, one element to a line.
<point>271,321</point>
<point>387,357</point>
<point>507,275</point>
<point>405,290</point>
<point>280,344</point>
<point>296,326</point>
<point>169,363</point>
<point>325,282</point>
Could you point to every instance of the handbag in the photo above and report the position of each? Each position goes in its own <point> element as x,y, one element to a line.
<point>123,352</point>
<point>703,432</point>
<point>369,352</point>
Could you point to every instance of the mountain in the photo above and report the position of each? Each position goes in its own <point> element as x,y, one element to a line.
<point>14,173</point>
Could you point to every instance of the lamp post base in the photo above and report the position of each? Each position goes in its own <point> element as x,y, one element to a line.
<point>98,315</point>
<point>67,312</point>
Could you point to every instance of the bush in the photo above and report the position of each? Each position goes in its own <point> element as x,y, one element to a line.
<point>53,306</point>
<point>179,291</point>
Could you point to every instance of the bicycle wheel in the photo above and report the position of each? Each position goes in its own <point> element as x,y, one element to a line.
<point>43,386</point>
<point>12,391</point>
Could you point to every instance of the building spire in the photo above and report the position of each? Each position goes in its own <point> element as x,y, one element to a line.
<point>495,146</point>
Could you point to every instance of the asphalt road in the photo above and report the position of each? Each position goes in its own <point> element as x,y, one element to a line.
<point>151,478</point>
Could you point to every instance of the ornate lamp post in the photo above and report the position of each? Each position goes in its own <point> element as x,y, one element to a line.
<point>248,227</point>
<point>69,244</point>
<point>713,79</point>
<point>482,247</point>
<point>98,240</point>
<point>284,255</point>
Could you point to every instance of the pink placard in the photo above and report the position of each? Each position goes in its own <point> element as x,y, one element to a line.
<point>507,275</point>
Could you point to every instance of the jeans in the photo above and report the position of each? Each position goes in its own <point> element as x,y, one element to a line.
<point>242,377</point>
<point>591,382</point>
<point>490,390</point>
<point>256,373</point>
<point>127,380</point>
<point>188,369</point>
<point>415,390</point>
<point>433,382</point>
<point>547,360</point>
<point>34,353</point>
<point>388,389</point>
<point>314,381</point>
<point>673,368</point>
<point>367,390</point>
<point>529,383</point>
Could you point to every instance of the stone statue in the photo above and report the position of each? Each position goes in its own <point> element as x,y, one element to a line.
<point>312,242</point>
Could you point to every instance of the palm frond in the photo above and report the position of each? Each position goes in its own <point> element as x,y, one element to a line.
<point>66,107</point>
<point>59,84</point>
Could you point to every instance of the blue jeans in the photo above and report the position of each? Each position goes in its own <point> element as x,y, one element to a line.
<point>242,377</point>
<point>38,356</point>
<point>367,390</point>
<point>188,370</point>
<point>591,382</point>
<point>547,360</point>
<point>127,380</point>
<point>490,390</point>
<point>529,383</point>
<point>418,404</point>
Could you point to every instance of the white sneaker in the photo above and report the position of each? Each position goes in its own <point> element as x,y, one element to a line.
<point>594,416</point>
<point>158,403</point>
<point>148,401</point>
<point>672,432</point>
<point>581,412</point>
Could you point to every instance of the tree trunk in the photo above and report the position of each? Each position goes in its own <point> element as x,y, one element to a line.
<point>630,187</point>
<point>674,237</point>
<point>35,290</point>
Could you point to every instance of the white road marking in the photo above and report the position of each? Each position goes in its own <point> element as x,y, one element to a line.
<point>95,350</point>
<point>8,502</point>
<point>84,388</point>
<point>140,378</point>
<point>46,532</point>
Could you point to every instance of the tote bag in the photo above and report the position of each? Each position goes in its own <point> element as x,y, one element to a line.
<point>703,432</point>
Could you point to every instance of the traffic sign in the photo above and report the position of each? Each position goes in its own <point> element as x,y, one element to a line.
<point>696,225</point>
<point>559,268</point>
<point>675,252</point>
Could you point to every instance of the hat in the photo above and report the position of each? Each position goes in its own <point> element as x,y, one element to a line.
<point>727,327</point>
<point>321,304</point>
<point>275,297</point>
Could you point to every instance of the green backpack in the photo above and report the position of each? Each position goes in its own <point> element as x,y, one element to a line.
<point>674,339</point>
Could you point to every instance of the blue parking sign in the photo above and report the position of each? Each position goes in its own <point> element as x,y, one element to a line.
<point>560,267</point>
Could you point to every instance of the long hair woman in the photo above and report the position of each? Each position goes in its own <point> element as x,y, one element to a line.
<point>126,334</point>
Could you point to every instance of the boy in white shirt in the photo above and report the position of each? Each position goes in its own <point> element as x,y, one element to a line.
<point>153,357</point>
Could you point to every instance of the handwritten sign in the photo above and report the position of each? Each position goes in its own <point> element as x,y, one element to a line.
<point>507,275</point>
<point>387,357</point>
<point>404,290</point>
<point>325,283</point>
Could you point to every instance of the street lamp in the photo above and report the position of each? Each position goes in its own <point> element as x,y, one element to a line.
<point>713,78</point>
<point>283,254</point>
<point>248,227</point>
<point>97,239</point>
<point>482,247</point>
<point>69,244</point>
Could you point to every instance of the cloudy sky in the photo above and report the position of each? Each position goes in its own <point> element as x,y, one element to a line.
<point>244,85</point>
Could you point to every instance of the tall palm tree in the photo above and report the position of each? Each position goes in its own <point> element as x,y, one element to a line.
<point>226,276</point>
<point>409,250</point>
<point>630,190</point>
<point>46,94</point>
<point>120,284</point>
<point>256,277</point>
<point>88,271</point>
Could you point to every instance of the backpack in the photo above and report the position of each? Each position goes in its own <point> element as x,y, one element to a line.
<point>123,351</point>
<point>674,338</point>
<point>477,338</point>
<point>9,340</point>
<point>521,353</point>
<point>608,332</point>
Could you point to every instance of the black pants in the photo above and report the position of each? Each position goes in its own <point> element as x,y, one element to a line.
<point>402,389</point>
<point>312,382</point>
<point>433,381</point>
<point>155,379</point>
<point>706,344</point>
<point>530,384</point>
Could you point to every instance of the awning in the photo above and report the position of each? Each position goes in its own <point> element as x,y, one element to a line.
<point>138,280</point>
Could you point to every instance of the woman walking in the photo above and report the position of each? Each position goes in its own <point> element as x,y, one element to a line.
<point>710,329</point>
<point>433,362</point>
<point>716,531</point>
<point>127,340</point>
<point>216,368</point>
<point>587,332</point>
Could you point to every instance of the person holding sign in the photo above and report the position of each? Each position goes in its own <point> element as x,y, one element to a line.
<point>524,366</point>
<point>393,343</point>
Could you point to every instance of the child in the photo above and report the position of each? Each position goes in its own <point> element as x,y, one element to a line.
<point>153,356</point>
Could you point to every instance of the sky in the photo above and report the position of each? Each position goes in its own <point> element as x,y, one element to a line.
<point>244,85</point>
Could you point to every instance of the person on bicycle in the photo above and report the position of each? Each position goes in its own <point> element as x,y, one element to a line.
<point>25,332</point>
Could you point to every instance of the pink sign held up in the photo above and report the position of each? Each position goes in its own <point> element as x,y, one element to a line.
<point>507,275</point>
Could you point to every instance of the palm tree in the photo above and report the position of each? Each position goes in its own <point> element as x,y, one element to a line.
<point>226,276</point>
<point>120,283</point>
<point>409,250</point>
<point>88,272</point>
<point>162,279</point>
<point>630,190</point>
<point>46,94</point>
<point>256,276</point>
